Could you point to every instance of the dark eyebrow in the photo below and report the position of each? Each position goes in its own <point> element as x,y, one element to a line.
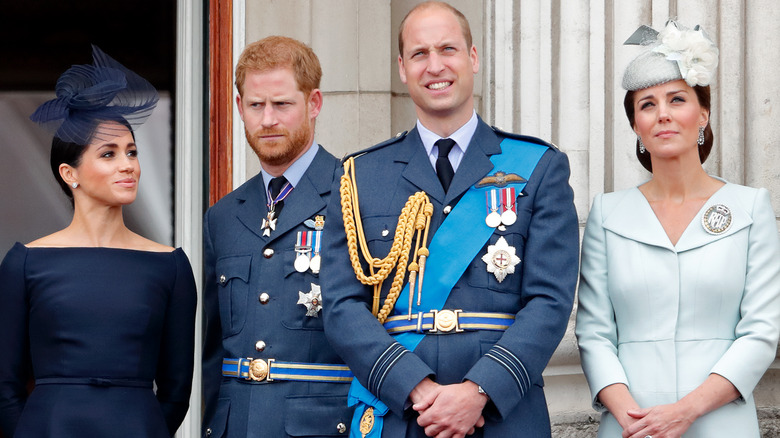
<point>670,93</point>
<point>649,96</point>
<point>115,146</point>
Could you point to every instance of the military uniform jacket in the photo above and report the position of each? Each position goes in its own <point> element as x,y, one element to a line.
<point>240,265</point>
<point>660,318</point>
<point>508,365</point>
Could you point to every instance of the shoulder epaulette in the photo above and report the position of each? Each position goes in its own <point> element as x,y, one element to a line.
<point>528,138</point>
<point>398,137</point>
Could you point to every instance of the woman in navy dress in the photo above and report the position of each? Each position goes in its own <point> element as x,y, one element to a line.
<point>100,317</point>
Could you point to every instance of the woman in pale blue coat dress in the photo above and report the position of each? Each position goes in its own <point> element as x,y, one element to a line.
<point>679,298</point>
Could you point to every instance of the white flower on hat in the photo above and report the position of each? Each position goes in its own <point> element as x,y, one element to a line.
<point>696,55</point>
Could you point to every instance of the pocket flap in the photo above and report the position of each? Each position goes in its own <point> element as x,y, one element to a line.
<point>317,415</point>
<point>233,267</point>
<point>219,423</point>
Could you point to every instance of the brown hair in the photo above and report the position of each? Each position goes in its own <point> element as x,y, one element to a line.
<point>280,52</point>
<point>464,23</point>
<point>703,94</point>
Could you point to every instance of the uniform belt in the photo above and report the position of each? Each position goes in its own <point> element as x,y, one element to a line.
<point>448,321</point>
<point>269,370</point>
<point>94,381</point>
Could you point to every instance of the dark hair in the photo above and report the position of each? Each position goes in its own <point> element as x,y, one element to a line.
<point>66,152</point>
<point>703,94</point>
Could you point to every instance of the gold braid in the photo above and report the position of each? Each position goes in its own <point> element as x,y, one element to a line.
<point>414,217</point>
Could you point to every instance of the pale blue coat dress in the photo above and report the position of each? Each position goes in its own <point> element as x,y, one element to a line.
<point>660,317</point>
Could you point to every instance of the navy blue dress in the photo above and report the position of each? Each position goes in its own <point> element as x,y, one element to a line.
<point>95,328</point>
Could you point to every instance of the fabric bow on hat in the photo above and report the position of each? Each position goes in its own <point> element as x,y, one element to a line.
<point>90,94</point>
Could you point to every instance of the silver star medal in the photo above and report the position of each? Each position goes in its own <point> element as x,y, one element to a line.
<point>501,259</point>
<point>312,300</point>
<point>269,224</point>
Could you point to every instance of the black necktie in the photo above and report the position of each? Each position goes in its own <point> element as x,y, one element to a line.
<point>443,166</point>
<point>275,186</point>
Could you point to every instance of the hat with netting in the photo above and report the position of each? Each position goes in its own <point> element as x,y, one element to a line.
<point>88,95</point>
<point>672,54</point>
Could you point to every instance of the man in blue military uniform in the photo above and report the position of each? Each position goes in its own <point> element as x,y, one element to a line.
<point>458,346</point>
<point>268,370</point>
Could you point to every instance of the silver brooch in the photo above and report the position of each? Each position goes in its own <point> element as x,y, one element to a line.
<point>717,219</point>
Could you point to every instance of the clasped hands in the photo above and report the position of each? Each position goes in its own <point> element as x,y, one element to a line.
<point>448,411</point>
<point>661,421</point>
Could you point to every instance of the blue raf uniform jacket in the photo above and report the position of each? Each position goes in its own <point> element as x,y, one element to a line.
<point>236,319</point>
<point>508,365</point>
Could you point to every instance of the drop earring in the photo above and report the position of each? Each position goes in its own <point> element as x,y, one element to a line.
<point>700,140</point>
<point>641,145</point>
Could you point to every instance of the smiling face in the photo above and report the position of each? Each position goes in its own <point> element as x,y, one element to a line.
<point>667,117</point>
<point>108,170</point>
<point>278,117</point>
<point>438,67</point>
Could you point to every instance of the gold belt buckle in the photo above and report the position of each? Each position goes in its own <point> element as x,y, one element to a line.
<point>260,370</point>
<point>445,321</point>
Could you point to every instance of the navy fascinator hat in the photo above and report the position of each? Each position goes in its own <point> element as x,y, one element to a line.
<point>88,95</point>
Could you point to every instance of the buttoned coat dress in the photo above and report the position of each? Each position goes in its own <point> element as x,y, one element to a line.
<point>660,318</point>
<point>508,365</point>
<point>240,265</point>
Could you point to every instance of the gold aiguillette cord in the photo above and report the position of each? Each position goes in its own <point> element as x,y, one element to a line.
<point>415,218</point>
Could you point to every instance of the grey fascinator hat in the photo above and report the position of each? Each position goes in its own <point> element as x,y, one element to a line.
<point>675,52</point>
<point>88,95</point>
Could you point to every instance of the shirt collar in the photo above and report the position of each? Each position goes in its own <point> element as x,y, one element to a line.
<point>295,172</point>
<point>462,136</point>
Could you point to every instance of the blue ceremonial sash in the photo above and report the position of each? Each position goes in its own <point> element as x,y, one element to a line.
<point>451,253</point>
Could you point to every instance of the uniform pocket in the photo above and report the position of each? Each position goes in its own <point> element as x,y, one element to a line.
<point>313,415</point>
<point>233,290</point>
<point>218,425</point>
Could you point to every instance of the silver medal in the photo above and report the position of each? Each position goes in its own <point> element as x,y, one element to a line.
<point>301,262</point>
<point>493,219</point>
<point>314,265</point>
<point>508,217</point>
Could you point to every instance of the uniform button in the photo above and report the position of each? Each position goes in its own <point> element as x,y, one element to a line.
<point>341,427</point>
<point>222,279</point>
<point>385,232</point>
<point>208,432</point>
<point>447,209</point>
<point>259,345</point>
<point>268,253</point>
<point>264,297</point>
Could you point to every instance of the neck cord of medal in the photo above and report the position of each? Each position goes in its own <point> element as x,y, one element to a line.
<point>415,218</point>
